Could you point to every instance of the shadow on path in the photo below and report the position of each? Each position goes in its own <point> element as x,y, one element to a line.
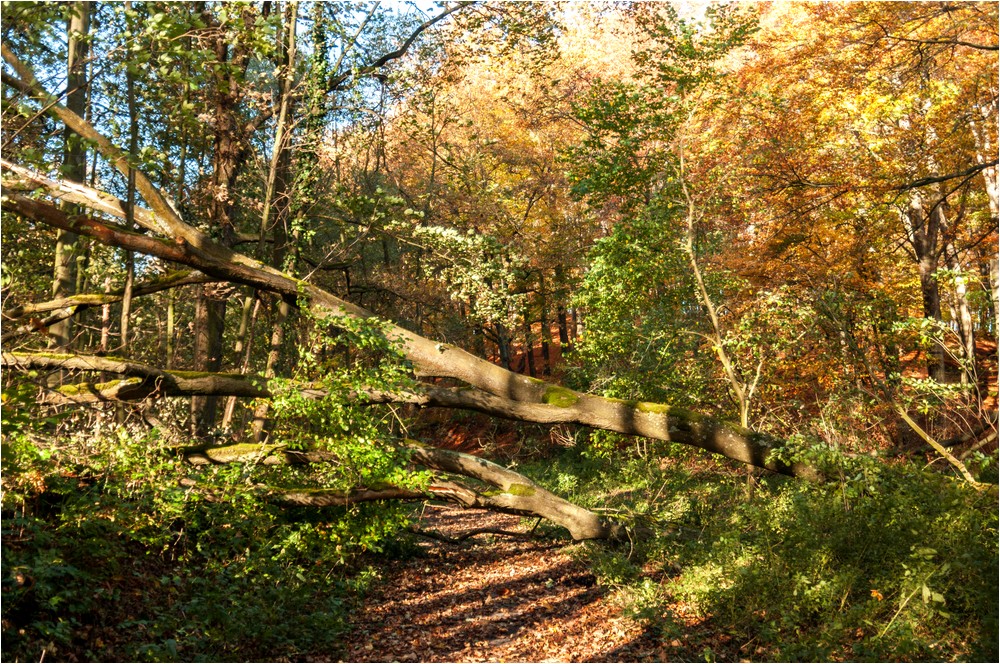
<point>496,600</point>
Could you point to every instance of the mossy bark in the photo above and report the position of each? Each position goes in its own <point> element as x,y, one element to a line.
<point>517,494</point>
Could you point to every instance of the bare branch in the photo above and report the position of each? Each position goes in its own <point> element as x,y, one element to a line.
<point>338,80</point>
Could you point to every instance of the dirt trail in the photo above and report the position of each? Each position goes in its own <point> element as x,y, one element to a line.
<point>501,600</point>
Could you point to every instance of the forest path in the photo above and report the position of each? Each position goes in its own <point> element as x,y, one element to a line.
<point>499,600</point>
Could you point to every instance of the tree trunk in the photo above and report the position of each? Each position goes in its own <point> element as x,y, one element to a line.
<point>209,324</point>
<point>277,195</point>
<point>503,345</point>
<point>74,164</point>
<point>562,318</point>
<point>529,344</point>
<point>546,329</point>
<point>962,315</point>
<point>171,341</point>
<point>515,397</point>
<point>106,319</point>
<point>133,152</point>
<point>923,233</point>
<point>517,493</point>
<point>244,342</point>
<point>993,279</point>
<point>227,158</point>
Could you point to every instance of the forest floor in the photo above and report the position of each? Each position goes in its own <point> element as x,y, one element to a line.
<point>493,598</point>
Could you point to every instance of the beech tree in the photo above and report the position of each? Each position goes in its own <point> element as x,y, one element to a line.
<point>473,383</point>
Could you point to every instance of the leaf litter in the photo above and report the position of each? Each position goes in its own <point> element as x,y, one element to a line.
<point>492,599</point>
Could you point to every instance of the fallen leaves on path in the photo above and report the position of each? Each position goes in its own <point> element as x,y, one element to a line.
<point>492,600</point>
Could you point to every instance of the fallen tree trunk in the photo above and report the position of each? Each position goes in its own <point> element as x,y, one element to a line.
<point>515,494</point>
<point>498,389</point>
<point>66,307</point>
<point>558,405</point>
<point>144,381</point>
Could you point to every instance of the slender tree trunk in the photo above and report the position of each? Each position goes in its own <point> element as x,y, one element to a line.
<point>562,318</point>
<point>133,152</point>
<point>529,344</point>
<point>503,345</point>
<point>962,314</point>
<point>171,339</point>
<point>106,319</point>
<point>478,341</point>
<point>244,344</point>
<point>276,196</point>
<point>993,286</point>
<point>281,312</point>
<point>74,164</point>
<point>546,330</point>
<point>209,324</point>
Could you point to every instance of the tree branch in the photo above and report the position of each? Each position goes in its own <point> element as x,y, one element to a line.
<point>923,182</point>
<point>146,381</point>
<point>84,300</point>
<point>338,80</point>
<point>475,532</point>
<point>517,493</point>
<point>557,406</point>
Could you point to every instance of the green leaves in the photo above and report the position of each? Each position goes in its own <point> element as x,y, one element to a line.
<point>639,299</point>
<point>345,360</point>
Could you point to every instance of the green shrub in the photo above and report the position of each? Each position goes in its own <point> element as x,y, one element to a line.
<point>891,563</point>
<point>108,556</point>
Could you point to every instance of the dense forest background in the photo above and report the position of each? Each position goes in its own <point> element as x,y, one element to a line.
<point>710,291</point>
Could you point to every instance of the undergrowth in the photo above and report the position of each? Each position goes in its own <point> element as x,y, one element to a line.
<point>114,561</point>
<point>115,549</point>
<point>890,563</point>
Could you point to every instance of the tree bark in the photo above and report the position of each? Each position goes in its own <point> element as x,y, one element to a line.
<point>962,315</point>
<point>923,232</point>
<point>149,381</point>
<point>550,405</point>
<point>517,493</point>
<point>546,328</point>
<point>209,325</point>
<point>133,152</point>
<point>74,164</point>
<point>227,149</point>
<point>244,343</point>
<point>155,285</point>
<point>277,196</point>
<point>529,343</point>
<point>562,319</point>
<point>503,345</point>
